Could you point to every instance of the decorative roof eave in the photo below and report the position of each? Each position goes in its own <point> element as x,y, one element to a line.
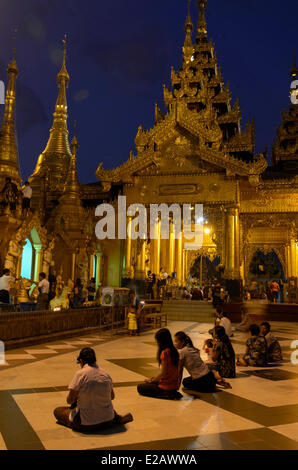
<point>124,173</point>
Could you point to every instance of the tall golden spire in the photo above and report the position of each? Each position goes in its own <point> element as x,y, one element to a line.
<point>70,204</point>
<point>9,165</point>
<point>202,25</point>
<point>188,45</point>
<point>72,187</point>
<point>55,158</point>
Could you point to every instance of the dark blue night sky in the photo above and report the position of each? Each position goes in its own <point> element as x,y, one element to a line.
<point>119,55</point>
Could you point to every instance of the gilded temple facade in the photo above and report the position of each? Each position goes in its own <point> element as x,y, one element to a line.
<point>196,153</point>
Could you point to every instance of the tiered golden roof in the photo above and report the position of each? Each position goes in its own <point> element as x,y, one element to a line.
<point>285,147</point>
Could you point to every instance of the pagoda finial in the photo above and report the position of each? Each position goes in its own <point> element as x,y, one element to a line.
<point>74,142</point>
<point>188,45</point>
<point>294,69</point>
<point>63,74</point>
<point>202,25</point>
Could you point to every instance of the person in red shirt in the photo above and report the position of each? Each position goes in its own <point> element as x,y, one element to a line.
<point>166,383</point>
<point>274,287</point>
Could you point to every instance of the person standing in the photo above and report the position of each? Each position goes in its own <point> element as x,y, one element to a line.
<point>43,289</point>
<point>27,195</point>
<point>274,288</point>
<point>77,298</point>
<point>91,289</point>
<point>5,282</point>
<point>149,285</point>
<point>90,398</point>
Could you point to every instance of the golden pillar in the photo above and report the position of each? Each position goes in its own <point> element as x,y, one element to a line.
<point>127,267</point>
<point>98,269</point>
<point>37,263</point>
<point>140,272</point>
<point>19,266</point>
<point>293,257</point>
<point>73,266</point>
<point>156,249</point>
<point>91,266</point>
<point>232,243</point>
<point>164,248</point>
<point>288,259</point>
<point>178,258</point>
<point>184,266</point>
<point>171,250</point>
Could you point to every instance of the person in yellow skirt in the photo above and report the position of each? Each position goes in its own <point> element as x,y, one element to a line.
<point>132,320</point>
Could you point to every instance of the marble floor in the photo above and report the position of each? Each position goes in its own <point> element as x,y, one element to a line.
<point>259,412</point>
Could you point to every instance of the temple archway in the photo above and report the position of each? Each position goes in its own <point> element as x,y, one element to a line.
<point>266,266</point>
<point>27,257</point>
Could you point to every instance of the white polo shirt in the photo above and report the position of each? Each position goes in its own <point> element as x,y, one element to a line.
<point>5,282</point>
<point>27,192</point>
<point>44,285</point>
<point>226,323</point>
<point>95,391</point>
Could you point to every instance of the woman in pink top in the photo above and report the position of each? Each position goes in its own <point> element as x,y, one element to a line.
<point>166,383</point>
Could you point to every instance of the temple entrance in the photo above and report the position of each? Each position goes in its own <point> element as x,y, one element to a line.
<point>263,269</point>
<point>206,269</point>
<point>266,266</point>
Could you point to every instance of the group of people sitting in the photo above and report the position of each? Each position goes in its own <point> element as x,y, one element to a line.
<point>91,390</point>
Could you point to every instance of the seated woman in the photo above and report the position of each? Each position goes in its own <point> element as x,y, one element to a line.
<point>166,383</point>
<point>223,354</point>
<point>201,379</point>
<point>274,353</point>
<point>208,348</point>
<point>256,349</point>
<point>245,322</point>
<point>90,396</point>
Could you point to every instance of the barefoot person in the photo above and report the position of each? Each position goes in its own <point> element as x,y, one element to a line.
<point>166,383</point>
<point>201,379</point>
<point>90,398</point>
<point>274,353</point>
<point>223,353</point>
<point>256,349</point>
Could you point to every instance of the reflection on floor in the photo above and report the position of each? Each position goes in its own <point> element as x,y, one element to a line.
<point>259,412</point>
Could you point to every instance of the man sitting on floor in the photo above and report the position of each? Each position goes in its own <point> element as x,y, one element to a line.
<point>90,396</point>
<point>274,353</point>
<point>256,349</point>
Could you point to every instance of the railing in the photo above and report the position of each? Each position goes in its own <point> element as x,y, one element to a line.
<point>22,325</point>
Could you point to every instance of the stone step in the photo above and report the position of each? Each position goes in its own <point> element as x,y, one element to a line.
<point>195,311</point>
